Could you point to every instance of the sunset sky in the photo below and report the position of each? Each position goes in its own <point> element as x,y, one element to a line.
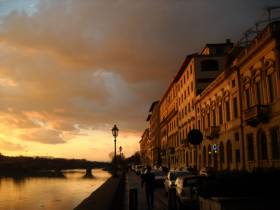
<point>71,69</point>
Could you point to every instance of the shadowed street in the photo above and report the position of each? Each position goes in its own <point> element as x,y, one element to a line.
<point>134,181</point>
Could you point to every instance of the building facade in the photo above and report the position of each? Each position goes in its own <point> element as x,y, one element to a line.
<point>153,120</point>
<point>259,67</point>
<point>232,95</point>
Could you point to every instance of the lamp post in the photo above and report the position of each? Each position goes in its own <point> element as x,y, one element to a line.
<point>120,148</point>
<point>115,131</point>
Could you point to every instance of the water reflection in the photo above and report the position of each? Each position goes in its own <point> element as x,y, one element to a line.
<point>49,193</point>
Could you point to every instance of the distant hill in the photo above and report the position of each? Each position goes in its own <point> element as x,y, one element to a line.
<point>33,165</point>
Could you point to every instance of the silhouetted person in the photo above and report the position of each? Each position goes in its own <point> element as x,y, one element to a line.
<point>149,180</point>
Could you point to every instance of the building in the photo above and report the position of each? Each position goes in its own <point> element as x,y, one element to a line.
<point>232,95</point>
<point>145,154</point>
<point>196,73</point>
<point>168,124</point>
<point>218,118</point>
<point>238,112</point>
<point>153,119</point>
<point>259,68</point>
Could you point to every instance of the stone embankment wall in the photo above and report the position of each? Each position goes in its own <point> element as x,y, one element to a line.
<point>108,196</point>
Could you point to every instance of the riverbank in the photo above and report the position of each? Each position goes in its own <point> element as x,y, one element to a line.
<point>112,190</point>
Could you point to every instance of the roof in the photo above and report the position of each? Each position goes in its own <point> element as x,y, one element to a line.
<point>149,117</point>
<point>153,106</point>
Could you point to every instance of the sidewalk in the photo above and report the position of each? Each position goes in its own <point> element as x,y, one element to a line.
<point>134,181</point>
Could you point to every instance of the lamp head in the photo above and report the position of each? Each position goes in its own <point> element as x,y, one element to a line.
<point>115,131</point>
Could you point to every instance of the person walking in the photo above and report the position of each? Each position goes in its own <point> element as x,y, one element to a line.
<point>148,179</point>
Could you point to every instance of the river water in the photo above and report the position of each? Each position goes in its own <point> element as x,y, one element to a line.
<point>49,193</point>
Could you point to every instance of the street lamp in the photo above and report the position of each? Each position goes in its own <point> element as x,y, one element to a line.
<point>115,131</point>
<point>120,148</point>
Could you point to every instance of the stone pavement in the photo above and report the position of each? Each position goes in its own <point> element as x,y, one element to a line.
<point>134,181</point>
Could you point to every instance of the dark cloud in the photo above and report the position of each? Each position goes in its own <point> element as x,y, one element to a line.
<point>83,64</point>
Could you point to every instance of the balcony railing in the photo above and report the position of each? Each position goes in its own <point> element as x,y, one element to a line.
<point>256,114</point>
<point>212,132</point>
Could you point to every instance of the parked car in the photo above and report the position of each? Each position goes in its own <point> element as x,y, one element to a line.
<point>186,191</point>
<point>208,171</point>
<point>138,169</point>
<point>171,178</point>
<point>159,177</point>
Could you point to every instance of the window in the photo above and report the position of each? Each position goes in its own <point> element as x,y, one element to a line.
<point>220,115</point>
<point>188,90</point>
<point>250,146</point>
<point>198,125</point>
<point>203,122</point>
<point>233,83</point>
<point>274,134</point>
<point>209,155</point>
<point>227,111</point>
<point>247,98</point>
<point>237,156</point>
<point>192,86</point>
<point>204,156</point>
<point>222,155</point>
<point>235,107</point>
<point>214,117</point>
<point>229,152</point>
<point>191,69</point>
<point>258,93</point>
<point>262,146</point>
<point>208,119</point>
<point>270,88</point>
<point>209,65</point>
<point>236,136</point>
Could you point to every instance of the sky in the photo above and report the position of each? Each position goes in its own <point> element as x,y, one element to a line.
<point>71,69</point>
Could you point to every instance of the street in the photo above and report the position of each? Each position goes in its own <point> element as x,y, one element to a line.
<point>134,181</point>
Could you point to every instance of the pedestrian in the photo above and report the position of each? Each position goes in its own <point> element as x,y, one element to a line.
<point>148,179</point>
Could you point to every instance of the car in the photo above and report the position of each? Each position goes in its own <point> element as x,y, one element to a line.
<point>186,191</point>
<point>208,171</point>
<point>159,177</point>
<point>171,178</point>
<point>138,169</point>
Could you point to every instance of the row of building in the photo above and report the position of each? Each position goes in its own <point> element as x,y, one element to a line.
<point>232,95</point>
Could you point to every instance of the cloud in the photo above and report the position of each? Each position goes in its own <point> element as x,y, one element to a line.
<point>9,146</point>
<point>85,65</point>
<point>44,136</point>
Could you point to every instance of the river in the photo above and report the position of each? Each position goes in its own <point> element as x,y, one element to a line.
<point>49,193</point>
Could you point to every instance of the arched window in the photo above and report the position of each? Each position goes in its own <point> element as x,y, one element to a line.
<point>229,152</point>
<point>222,154</point>
<point>209,155</point>
<point>187,158</point>
<point>204,156</point>
<point>274,133</point>
<point>250,146</point>
<point>262,146</point>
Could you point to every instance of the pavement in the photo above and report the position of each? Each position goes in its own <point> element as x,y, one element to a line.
<point>134,181</point>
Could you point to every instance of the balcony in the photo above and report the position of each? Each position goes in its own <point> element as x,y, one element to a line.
<point>212,132</point>
<point>256,114</point>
